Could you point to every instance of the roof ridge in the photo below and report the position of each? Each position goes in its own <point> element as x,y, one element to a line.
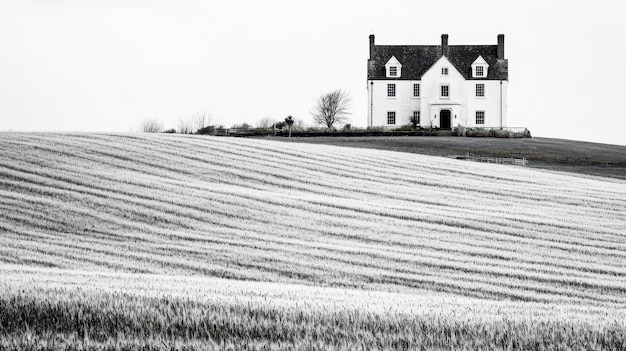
<point>417,59</point>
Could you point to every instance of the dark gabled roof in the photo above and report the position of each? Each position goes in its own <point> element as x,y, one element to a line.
<point>417,59</point>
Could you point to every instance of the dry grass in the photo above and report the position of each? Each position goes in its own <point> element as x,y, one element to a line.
<point>150,312</point>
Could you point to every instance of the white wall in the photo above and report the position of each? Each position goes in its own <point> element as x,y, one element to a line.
<point>433,103</point>
<point>403,103</point>
<point>505,103</point>
<point>490,103</point>
<point>462,101</point>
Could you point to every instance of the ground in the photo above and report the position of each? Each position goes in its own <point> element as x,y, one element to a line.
<point>547,153</point>
<point>167,241</point>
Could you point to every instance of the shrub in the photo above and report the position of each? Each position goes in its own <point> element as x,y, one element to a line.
<point>206,130</point>
<point>478,132</point>
<point>375,129</point>
<point>407,128</point>
<point>458,131</point>
<point>523,134</point>
<point>171,130</point>
<point>151,125</point>
<point>501,133</point>
<point>413,121</point>
<point>242,126</point>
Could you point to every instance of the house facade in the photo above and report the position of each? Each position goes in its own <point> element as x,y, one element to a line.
<point>442,86</point>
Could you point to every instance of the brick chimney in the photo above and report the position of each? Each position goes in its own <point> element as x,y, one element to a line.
<point>500,46</point>
<point>371,46</point>
<point>444,45</point>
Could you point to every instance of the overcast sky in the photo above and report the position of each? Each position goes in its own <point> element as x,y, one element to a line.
<point>107,65</point>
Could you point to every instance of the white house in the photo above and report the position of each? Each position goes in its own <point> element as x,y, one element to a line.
<point>443,86</point>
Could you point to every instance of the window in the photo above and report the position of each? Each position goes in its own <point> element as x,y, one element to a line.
<point>444,71</point>
<point>391,117</point>
<point>416,90</point>
<point>480,67</point>
<point>480,117</point>
<point>445,91</point>
<point>480,90</point>
<point>416,117</point>
<point>393,68</point>
<point>391,90</point>
<point>480,72</point>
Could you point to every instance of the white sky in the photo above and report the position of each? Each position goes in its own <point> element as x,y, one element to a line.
<point>106,65</point>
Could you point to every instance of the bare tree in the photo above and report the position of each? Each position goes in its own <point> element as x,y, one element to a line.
<point>201,120</point>
<point>332,108</point>
<point>184,126</point>
<point>299,125</point>
<point>151,125</point>
<point>265,123</point>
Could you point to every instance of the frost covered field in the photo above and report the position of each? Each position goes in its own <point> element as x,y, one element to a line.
<point>161,241</point>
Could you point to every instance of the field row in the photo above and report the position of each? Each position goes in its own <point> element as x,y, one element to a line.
<point>318,215</point>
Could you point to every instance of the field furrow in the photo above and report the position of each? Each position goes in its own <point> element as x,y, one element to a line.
<point>316,215</point>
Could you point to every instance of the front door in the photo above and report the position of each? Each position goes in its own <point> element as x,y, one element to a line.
<point>444,123</point>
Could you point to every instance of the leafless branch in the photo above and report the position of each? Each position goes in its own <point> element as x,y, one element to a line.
<point>184,126</point>
<point>332,108</point>
<point>201,120</point>
<point>151,125</point>
<point>265,122</point>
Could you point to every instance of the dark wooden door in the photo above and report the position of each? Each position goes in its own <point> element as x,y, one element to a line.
<point>445,119</point>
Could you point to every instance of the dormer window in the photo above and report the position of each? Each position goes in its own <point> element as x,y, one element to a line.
<point>393,68</point>
<point>480,71</point>
<point>480,68</point>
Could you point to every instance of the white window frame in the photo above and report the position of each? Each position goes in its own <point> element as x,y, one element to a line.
<point>391,115</point>
<point>416,89</point>
<point>441,88</point>
<point>480,115</point>
<point>393,71</point>
<point>480,93</point>
<point>445,71</point>
<point>391,90</point>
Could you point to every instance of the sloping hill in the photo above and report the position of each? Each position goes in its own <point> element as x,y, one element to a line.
<point>572,156</point>
<point>312,214</point>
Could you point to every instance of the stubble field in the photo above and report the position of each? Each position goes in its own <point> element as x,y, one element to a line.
<point>161,241</point>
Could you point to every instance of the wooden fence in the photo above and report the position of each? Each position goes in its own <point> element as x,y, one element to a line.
<point>498,160</point>
<point>242,132</point>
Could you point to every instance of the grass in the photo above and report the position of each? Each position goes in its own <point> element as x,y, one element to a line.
<point>545,153</point>
<point>163,312</point>
<point>289,245</point>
